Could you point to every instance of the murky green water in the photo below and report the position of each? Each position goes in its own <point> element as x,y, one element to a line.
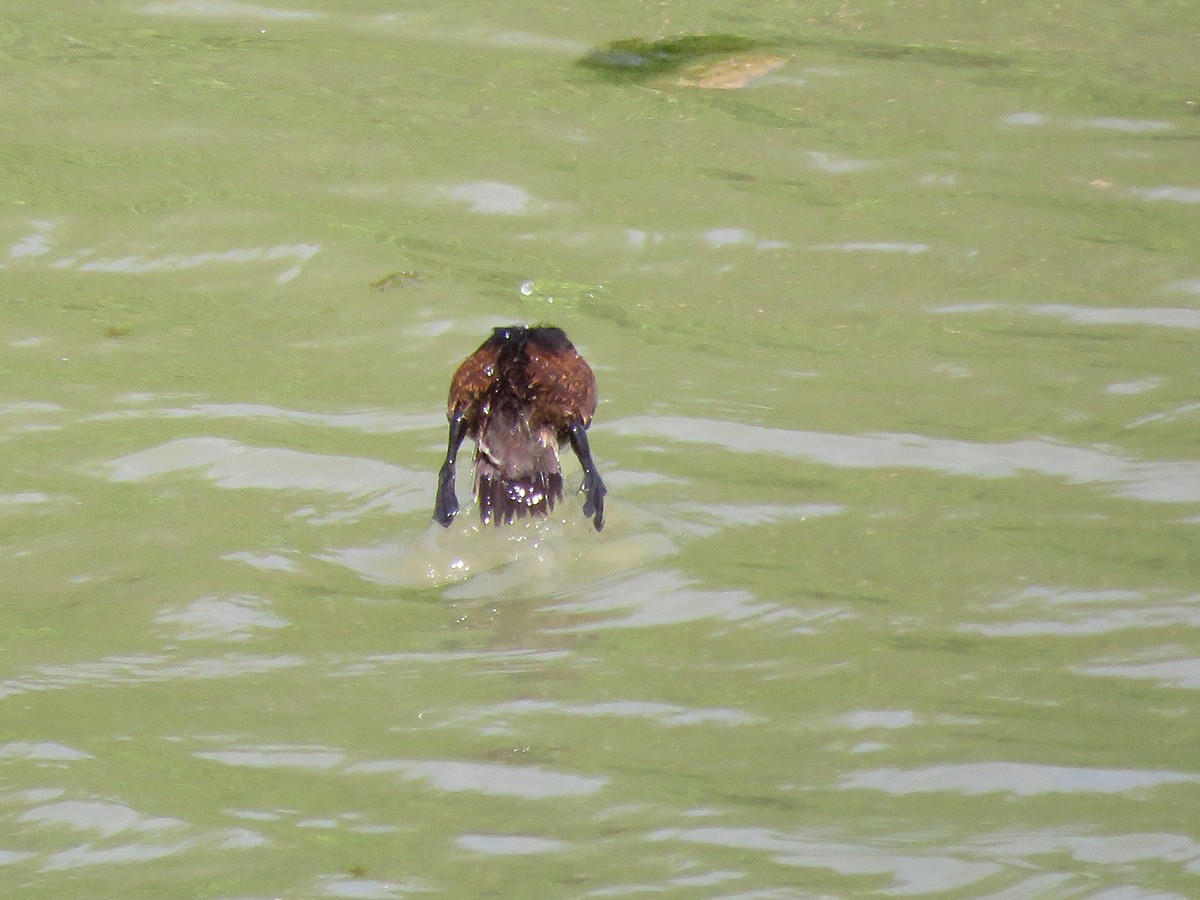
<point>900,589</point>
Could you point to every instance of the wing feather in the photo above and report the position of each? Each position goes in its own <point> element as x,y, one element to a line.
<point>472,380</point>
<point>563,383</point>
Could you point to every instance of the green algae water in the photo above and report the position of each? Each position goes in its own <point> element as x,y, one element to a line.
<point>899,590</point>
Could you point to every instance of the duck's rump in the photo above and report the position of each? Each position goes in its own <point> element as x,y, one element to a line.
<point>517,470</point>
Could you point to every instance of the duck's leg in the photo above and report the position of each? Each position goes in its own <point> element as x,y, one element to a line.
<point>446,506</point>
<point>593,485</point>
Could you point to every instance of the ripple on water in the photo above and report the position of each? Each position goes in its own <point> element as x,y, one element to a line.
<point>20,411</point>
<point>24,498</point>
<point>902,247</point>
<point>136,264</point>
<point>227,9</point>
<point>116,833</point>
<point>230,464</point>
<point>43,752</point>
<point>669,597</point>
<point>510,660</point>
<point>1161,482</point>
<point>531,558</point>
<point>1155,316</point>
<point>1110,123</point>
<point>1109,849</point>
<point>38,244</point>
<point>233,618</point>
<point>716,238</point>
<point>705,519</point>
<point>1181,672</point>
<point>1169,415</point>
<point>271,756</point>
<point>1084,612</point>
<point>1019,779</point>
<point>493,198</point>
<point>1171,193</point>
<point>367,888</point>
<point>911,873</point>
<point>266,562</point>
<point>509,844</point>
<point>877,718</point>
<point>836,165</point>
<point>1106,315</point>
<point>1140,386</point>
<point>915,870</point>
<point>1186,286</point>
<point>111,671</point>
<point>492,779</point>
<point>365,421</point>
<point>106,819</point>
<point>499,718</point>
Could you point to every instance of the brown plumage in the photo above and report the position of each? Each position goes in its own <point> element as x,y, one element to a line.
<point>520,396</point>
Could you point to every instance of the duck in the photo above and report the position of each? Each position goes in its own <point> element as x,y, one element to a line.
<point>521,397</point>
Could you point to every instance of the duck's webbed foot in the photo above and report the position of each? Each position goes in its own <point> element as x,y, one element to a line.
<point>446,505</point>
<point>593,485</point>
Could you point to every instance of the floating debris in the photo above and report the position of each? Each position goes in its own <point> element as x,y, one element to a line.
<point>732,73</point>
<point>635,58</point>
<point>397,280</point>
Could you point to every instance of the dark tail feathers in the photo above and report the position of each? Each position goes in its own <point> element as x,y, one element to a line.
<point>503,499</point>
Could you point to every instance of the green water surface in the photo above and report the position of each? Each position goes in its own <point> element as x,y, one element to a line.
<point>898,358</point>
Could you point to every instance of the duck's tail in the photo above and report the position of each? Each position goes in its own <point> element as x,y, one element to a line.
<point>517,472</point>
